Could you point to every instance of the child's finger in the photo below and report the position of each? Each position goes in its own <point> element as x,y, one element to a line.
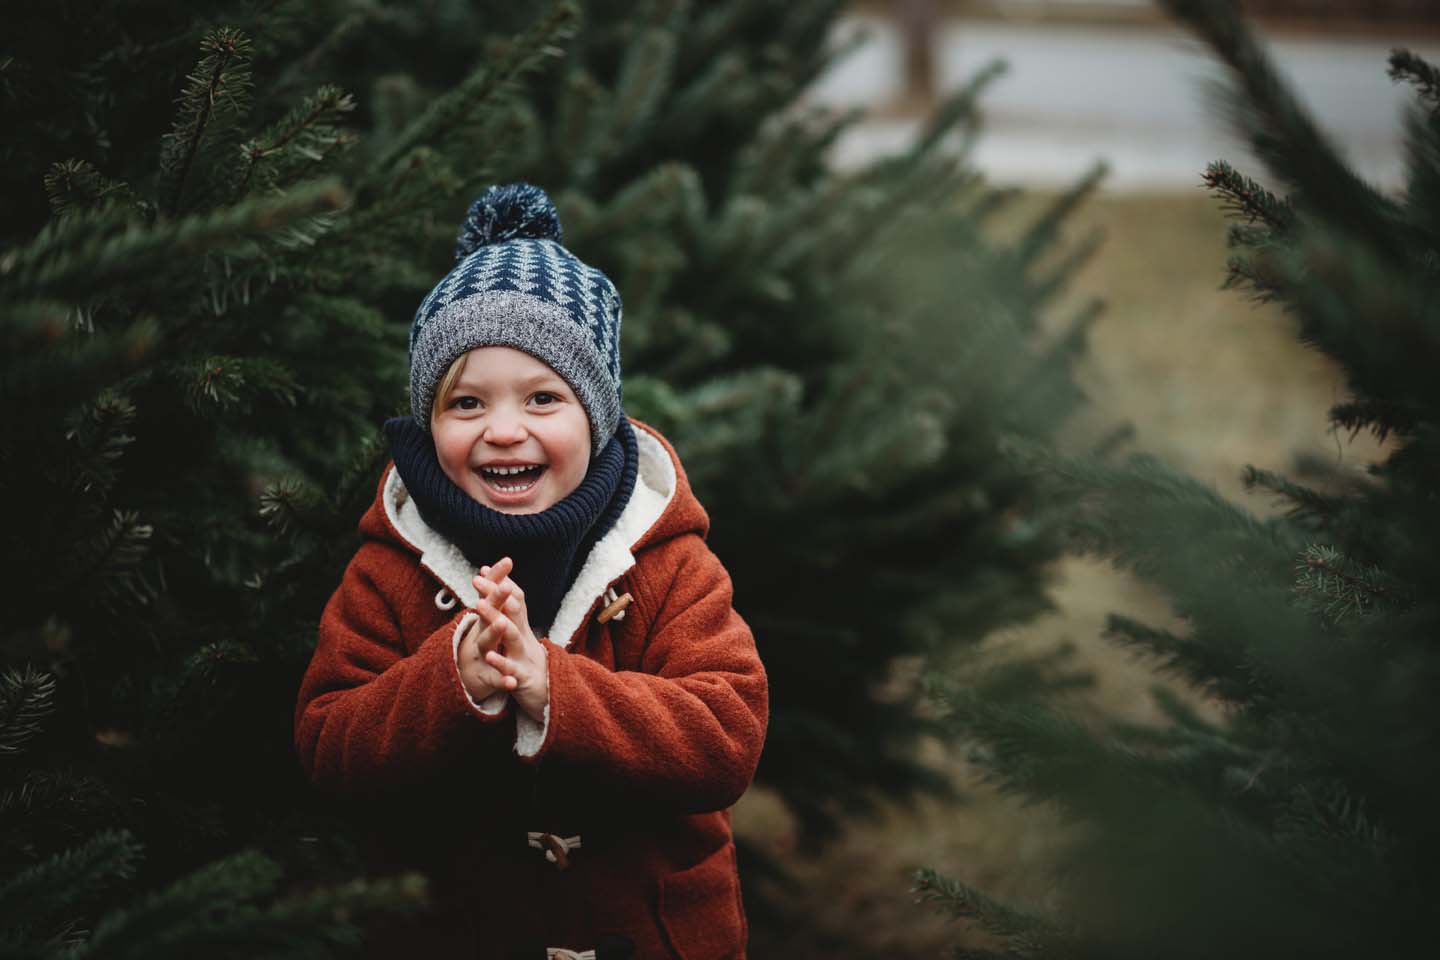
<point>483,639</point>
<point>472,633</point>
<point>507,622</point>
<point>506,597</point>
<point>499,570</point>
<point>491,575</point>
<point>500,598</point>
<point>486,609</point>
<point>491,616</point>
<point>494,632</point>
<point>512,669</point>
<point>514,589</point>
<point>511,600</point>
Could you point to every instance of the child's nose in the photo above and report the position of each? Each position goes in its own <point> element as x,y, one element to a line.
<point>504,428</point>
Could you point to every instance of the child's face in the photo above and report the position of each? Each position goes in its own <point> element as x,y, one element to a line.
<point>509,410</point>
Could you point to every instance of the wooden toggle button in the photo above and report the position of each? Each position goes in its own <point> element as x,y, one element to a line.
<point>620,603</point>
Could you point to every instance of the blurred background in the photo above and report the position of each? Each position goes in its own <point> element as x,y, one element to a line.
<point>1209,380</point>
<point>866,293</point>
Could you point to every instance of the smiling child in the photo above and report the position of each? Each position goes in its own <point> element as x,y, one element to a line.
<point>531,683</point>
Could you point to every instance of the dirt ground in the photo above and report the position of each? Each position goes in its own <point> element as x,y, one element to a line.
<point>1210,383</point>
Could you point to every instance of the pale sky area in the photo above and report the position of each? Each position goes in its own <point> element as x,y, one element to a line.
<point>1132,94</point>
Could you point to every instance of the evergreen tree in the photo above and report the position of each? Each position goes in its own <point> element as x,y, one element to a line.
<point>207,325</point>
<point>1298,818</point>
<point>779,317</point>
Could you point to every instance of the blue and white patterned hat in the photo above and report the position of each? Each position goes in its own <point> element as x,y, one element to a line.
<point>515,285</point>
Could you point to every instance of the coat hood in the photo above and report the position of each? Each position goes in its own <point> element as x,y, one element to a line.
<point>661,508</point>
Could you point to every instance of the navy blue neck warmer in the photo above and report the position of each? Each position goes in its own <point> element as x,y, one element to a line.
<point>548,547</point>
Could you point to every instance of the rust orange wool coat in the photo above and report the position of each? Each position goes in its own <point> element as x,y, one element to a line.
<point>654,728</point>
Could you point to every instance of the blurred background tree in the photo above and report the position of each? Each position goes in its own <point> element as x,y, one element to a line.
<point>1286,803</point>
<point>220,220</point>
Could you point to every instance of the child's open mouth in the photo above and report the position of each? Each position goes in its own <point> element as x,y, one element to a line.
<point>512,479</point>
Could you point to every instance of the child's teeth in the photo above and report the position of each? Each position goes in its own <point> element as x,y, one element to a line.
<point>494,476</point>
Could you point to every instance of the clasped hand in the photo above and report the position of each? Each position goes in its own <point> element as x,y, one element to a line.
<point>500,651</point>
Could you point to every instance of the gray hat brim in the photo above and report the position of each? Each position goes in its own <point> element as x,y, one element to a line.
<point>504,318</point>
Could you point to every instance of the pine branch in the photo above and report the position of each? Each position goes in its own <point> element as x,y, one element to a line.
<point>1341,588</point>
<point>89,253</point>
<point>1187,657</point>
<point>185,908</point>
<point>1406,66</point>
<point>211,913</point>
<point>1175,510</point>
<point>645,80</point>
<point>963,902</point>
<point>290,504</point>
<point>97,431</point>
<point>802,225</point>
<point>305,137</point>
<point>577,118</point>
<point>1280,129</point>
<point>456,106</point>
<point>1331,812</point>
<point>75,186</point>
<point>355,488</point>
<point>777,157</point>
<point>41,896</point>
<point>960,109</point>
<point>1243,197</point>
<point>27,697</point>
<point>220,384</point>
<point>206,666</point>
<point>1054,280</point>
<point>712,30</point>
<point>1044,233</point>
<point>1111,443</point>
<point>111,559</point>
<point>642,201</point>
<point>215,93</point>
<point>1243,236</point>
<point>1303,501</point>
<point>1181,714</point>
<point>1360,306</point>
<point>1380,417</point>
<point>46,362</point>
<point>906,192</point>
<point>691,105</point>
<point>327,916</point>
<point>804,23</point>
<point>59,794</point>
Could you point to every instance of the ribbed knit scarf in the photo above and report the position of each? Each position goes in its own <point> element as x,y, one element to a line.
<point>548,547</point>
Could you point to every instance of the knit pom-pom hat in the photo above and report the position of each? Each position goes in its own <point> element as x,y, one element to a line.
<point>515,285</point>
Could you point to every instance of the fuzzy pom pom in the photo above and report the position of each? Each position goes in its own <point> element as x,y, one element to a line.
<point>505,213</point>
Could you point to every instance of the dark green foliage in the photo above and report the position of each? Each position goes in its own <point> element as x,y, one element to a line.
<point>27,697</point>
<point>223,220</point>
<point>46,896</point>
<point>1286,805</point>
<point>1406,66</point>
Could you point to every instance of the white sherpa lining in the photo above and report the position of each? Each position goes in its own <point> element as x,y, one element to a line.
<point>530,734</point>
<point>608,560</point>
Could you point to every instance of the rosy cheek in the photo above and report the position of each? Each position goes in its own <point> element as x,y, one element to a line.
<point>450,449</point>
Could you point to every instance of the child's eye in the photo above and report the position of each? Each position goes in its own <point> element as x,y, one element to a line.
<point>544,399</point>
<point>467,403</point>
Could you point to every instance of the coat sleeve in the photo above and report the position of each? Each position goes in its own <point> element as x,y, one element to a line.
<point>368,714</point>
<point>686,730</point>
